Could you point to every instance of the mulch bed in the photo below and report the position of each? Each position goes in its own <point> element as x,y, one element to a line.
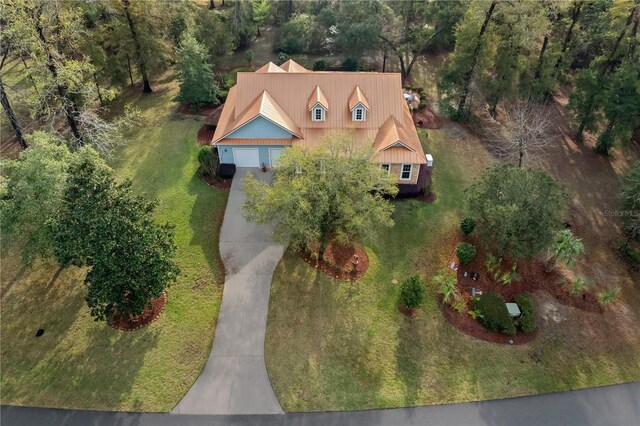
<point>534,278</point>
<point>340,262</point>
<point>473,328</point>
<point>120,322</point>
<point>425,118</point>
<point>224,184</point>
<point>205,135</point>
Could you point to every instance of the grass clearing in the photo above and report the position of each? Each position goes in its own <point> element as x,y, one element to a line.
<point>341,345</point>
<point>79,363</point>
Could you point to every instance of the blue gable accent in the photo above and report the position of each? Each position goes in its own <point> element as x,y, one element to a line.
<point>260,128</point>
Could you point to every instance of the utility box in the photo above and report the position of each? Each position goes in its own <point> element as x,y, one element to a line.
<point>429,158</point>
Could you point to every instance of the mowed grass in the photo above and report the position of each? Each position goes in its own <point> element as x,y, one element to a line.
<point>335,345</point>
<point>80,363</point>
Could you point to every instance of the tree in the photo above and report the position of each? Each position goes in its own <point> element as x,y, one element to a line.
<point>630,200</point>
<point>333,192</point>
<point>248,56</point>
<point>457,74</point>
<point>525,132</point>
<point>197,85</point>
<point>358,25</point>
<point>261,13</point>
<point>410,28</point>
<point>518,211</point>
<point>4,100</point>
<point>566,249</point>
<point>34,186</point>
<point>142,64</point>
<point>102,224</point>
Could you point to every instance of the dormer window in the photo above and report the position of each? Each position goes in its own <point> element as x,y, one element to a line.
<point>318,113</point>
<point>359,113</point>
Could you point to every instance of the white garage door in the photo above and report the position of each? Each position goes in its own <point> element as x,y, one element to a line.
<point>274,154</point>
<point>246,157</point>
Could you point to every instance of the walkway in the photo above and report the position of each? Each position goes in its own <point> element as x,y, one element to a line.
<point>234,379</point>
<point>611,405</point>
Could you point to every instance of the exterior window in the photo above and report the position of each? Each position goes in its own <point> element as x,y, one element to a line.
<point>406,172</point>
<point>318,114</point>
<point>385,167</point>
<point>358,114</point>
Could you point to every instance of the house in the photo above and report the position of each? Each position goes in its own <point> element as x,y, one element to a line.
<point>277,107</point>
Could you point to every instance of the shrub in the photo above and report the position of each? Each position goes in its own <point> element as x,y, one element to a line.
<point>208,159</point>
<point>412,292</point>
<point>608,296</point>
<point>579,285</point>
<point>321,65</point>
<point>527,320</point>
<point>466,253</point>
<point>494,313</point>
<point>467,225</point>
<point>350,64</point>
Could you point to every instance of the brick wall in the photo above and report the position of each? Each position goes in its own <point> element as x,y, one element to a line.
<point>415,171</point>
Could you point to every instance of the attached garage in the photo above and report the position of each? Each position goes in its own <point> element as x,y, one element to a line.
<point>274,154</point>
<point>246,157</point>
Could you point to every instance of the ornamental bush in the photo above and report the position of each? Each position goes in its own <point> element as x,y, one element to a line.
<point>208,159</point>
<point>466,253</point>
<point>527,320</point>
<point>412,292</point>
<point>494,314</point>
<point>467,225</point>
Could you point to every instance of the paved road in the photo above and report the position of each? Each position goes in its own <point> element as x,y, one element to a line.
<point>234,379</point>
<point>611,405</point>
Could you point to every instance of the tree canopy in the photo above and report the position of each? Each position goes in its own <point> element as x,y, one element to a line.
<point>334,191</point>
<point>197,85</point>
<point>103,225</point>
<point>518,211</point>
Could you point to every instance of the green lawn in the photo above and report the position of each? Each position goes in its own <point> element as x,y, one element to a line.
<point>80,363</point>
<point>339,345</point>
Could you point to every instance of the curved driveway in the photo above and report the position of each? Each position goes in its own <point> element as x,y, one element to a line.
<point>234,379</point>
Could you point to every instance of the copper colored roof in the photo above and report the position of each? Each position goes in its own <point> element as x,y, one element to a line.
<point>284,98</point>
<point>357,97</point>
<point>269,67</point>
<point>318,97</point>
<point>262,106</point>
<point>292,66</point>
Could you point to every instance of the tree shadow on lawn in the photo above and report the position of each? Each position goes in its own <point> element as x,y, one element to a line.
<point>410,356</point>
<point>63,367</point>
<point>205,221</point>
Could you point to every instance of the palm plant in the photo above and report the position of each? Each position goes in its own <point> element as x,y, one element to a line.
<point>446,282</point>
<point>567,248</point>
<point>608,296</point>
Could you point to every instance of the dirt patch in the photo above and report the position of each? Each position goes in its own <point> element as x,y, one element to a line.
<point>425,118</point>
<point>406,311</point>
<point>120,322</point>
<point>473,328</point>
<point>340,262</point>
<point>224,184</point>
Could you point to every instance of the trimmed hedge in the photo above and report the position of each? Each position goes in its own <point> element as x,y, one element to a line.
<point>466,253</point>
<point>412,292</point>
<point>495,315</point>
<point>527,320</point>
<point>467,225</point>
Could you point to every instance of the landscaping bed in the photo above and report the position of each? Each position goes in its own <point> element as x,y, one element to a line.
<point>533,277</point>
<point>125,323</point>
<point>338,261</point>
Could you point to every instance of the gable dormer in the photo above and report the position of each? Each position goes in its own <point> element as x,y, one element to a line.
<point>318,105</point>
<point>358,105</point>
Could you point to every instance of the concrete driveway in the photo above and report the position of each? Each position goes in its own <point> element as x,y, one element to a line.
<point>234,379</point>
